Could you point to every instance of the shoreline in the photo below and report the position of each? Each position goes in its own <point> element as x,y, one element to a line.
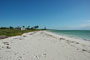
<point>68,37</point>
<point>43,45</point>
<point>64,36</point>
<point>76,34</point>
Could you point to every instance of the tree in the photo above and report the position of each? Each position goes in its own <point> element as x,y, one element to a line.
<point>28,27</point>
<point>10,27</point>
<point>23,26</point>
<point>35,27</point>
<point>32,28</point>
<point>18,28</point>
<point>4,28</point>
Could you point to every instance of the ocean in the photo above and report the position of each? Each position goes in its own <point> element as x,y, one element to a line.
<point>82,34</point>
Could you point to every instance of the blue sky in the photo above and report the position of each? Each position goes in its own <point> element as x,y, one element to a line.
<point>54,14</point>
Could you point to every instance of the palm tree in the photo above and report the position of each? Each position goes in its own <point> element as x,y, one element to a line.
<point>23,26</point>
<point>28,27</point>
<point>10,27</point>
<point>35,27</point>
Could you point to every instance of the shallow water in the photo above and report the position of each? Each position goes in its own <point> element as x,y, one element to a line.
<point>83,34</point>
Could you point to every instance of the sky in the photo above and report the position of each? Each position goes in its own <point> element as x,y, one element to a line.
<point>54,14</point>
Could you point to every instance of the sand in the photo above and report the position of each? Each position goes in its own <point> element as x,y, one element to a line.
<point>43,45</point>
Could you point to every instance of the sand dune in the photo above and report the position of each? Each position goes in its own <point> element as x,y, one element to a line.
<point>43,45</point>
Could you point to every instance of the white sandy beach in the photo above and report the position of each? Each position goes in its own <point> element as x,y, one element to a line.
<point>42,45</point>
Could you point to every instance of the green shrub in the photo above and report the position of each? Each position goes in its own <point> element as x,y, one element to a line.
<point>13,32</point>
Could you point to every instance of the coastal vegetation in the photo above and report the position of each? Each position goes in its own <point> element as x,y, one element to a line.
<point>14,31</point>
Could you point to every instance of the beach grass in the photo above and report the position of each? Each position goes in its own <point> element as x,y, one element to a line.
<point>13,32</point>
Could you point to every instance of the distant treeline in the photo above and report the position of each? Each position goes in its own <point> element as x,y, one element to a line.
<point>18,27</point>
<point>22,27</point>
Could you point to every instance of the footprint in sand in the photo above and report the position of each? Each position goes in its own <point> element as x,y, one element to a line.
<point>44,54</point>
<point>36,57</point>
<point>20,39</point>
<point>62,38</point>
<point>24,36</point>
<point>8,47</point>
<point>39,56</point>
<point>68,41</point>
<point>85,50</point>
<point>6,43</point>
<point>19,57</point>
<point>74,42</point>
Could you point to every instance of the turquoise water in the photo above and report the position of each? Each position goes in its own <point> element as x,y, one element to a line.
<point>83,34</point>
